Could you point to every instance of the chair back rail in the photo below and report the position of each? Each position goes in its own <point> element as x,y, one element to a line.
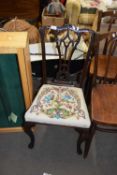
<point>102,14</point>
<point>111,16</point>
<point>69,42</point>
<point>109,72</point>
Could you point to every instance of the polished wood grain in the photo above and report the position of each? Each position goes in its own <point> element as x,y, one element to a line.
<point>26,9</point>
<point>104,104</point>
<point>102,62</point>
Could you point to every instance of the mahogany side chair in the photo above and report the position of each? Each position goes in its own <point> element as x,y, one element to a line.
<point>60,99</point>
<point>104,90</point>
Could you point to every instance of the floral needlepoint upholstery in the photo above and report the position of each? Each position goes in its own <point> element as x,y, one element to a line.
<point>59,105</point>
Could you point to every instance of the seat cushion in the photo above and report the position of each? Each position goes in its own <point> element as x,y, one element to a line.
<point>59,105</point>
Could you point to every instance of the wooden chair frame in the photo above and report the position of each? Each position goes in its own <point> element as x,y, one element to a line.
<point>63,77</point>
<point>101,124</point>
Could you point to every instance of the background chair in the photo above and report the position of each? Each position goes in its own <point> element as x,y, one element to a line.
<point>60,100</point>
<point>103,46</point>
<point>107,18</point>
<point>104,91</point>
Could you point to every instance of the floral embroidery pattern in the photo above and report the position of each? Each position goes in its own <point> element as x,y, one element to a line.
<point>58,102</point>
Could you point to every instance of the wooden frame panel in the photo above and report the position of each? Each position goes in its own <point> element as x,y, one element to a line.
<point>17,43</point>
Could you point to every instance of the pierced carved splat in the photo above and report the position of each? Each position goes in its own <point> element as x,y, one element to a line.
<point>71,44</point>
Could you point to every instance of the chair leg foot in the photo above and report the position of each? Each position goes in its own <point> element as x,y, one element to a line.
<point>79,142</point>
<point>81,139</point>
<point>87,147</point>
<point>32,139</point>
<point>29,132</point>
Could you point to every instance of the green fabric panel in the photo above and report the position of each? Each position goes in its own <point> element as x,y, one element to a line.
<point>11,96</point>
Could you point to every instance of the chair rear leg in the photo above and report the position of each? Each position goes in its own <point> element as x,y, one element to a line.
<point>29,132</point>
<point>81,139</point>
<point>89,139</point>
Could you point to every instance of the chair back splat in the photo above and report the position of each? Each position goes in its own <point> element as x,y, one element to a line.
<point>70,47</point>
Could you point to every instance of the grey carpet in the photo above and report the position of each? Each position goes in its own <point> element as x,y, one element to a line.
<point>55,153</point>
